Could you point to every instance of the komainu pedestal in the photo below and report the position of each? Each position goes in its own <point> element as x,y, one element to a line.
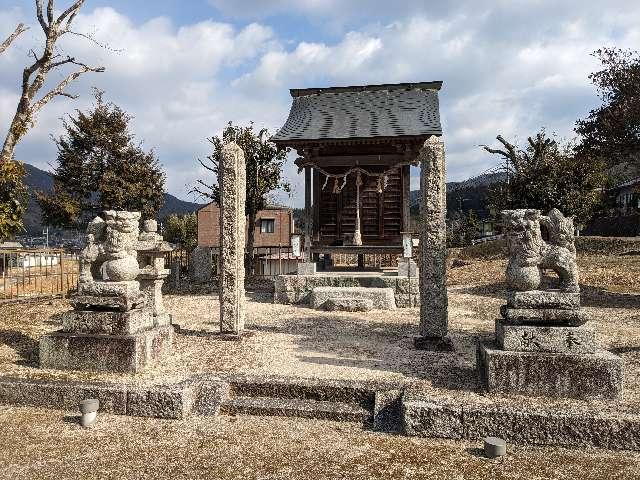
<point>118,323</point>
<point>543,344</point>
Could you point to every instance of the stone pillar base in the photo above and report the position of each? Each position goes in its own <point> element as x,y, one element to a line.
<point>306,268</point>
<point>433,344</point>
<point>561,375</point>
<point>105,353</point>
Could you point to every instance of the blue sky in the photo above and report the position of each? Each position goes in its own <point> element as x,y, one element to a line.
<point>185,68</point>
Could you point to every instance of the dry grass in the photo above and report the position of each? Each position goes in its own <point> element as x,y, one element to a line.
<point>40,444</point>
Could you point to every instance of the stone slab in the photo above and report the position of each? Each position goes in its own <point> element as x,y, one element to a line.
<point>62,395</point>
<point>107,322</point>
<point>527,338</point>
<point>348,305</point>
<point>425,416</point>
<point>211,395</point>
<point>562,375</point>
<point>555,299</point>
<point>543,316</point>
<point>306,268</point>
<point>123,304</point>
<point>382,298</point>
<point>105,353</point>
<point>163,401</point>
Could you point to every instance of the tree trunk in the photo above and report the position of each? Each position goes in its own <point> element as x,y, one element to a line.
<point>251,233</point>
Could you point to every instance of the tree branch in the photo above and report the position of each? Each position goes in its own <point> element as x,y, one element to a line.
<point>211,169</point>
<point>59,89</point>
<point>70,12</point>
<point>18,31</point>
<point>40,15</point>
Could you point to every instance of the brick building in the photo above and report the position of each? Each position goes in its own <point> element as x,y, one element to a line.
<point>274,226</point>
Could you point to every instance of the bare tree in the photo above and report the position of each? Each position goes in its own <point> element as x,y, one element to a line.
<point>34,75</point>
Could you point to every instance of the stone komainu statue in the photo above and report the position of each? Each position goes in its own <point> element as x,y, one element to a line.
<point>529,253</point>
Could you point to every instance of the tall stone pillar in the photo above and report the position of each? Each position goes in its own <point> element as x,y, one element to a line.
<point>232,183</point>
<point>433,248</point>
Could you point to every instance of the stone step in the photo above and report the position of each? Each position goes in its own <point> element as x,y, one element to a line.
<point>382,298</point>
<point>302,389</point>
<point>292,407</point>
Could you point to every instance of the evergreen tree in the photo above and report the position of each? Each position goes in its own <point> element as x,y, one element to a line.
<point>100,168</point>
<point>182,230</point>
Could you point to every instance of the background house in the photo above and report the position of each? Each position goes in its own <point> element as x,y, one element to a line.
<point>274,226</point>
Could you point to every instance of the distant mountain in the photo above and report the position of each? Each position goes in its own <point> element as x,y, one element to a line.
<point>466,195</point>
<point>37,179</point>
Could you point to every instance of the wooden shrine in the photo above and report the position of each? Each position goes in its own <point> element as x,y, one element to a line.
<point>356,146</point>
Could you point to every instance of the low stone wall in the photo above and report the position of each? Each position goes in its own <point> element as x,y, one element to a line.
<point>607,245</point>
<point>428,417</point>
<point>393,407</point>
<point>296,289</point>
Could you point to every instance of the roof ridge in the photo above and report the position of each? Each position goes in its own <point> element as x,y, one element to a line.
<point>301,92</point>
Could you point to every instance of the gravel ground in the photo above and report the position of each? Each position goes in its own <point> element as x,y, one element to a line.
<point>37,444</point>
<point>297,341</point>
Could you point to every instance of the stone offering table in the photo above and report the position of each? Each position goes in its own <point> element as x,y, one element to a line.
<point>118,323</point>
<point>543,346</point>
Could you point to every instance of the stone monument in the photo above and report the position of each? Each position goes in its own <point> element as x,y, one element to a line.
<point>543,345</point>
<point>118,323</point>
<point>232,226</point>
<point>433,249</point>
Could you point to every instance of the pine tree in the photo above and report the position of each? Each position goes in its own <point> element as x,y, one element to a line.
<point>100,168</point>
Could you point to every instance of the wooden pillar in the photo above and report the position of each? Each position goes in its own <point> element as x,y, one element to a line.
<point>406,198</point>
<point>307,213</point>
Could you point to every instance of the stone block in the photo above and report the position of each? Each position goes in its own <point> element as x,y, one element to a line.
<point>582,376</point>
<point>63,395</point>
<point>554,299</point>
<point>526,338</point>
<point>429,418</point>
<point>382,298</point>
<point>130,288</point>
<point>539,426</point>
<point>107,322</point>
<point>104,353</point>
<point>387,411</point>
<point>408,285</point>
<point>162,401</point>
<point>123,304</point>
<point>306,268</point>
<point>200,264</point>
<point>212,394</point>
<point>543,316</point>
<point>348,305</point>
<point>407,267</point>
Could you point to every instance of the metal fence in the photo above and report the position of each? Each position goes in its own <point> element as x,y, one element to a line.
<point>33,273</point>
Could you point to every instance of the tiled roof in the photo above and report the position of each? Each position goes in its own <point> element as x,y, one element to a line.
<point>371,111</point>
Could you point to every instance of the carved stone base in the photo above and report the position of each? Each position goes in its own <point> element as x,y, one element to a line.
<point>121,296</point>
<point>582,376</point>
<point>527,338</point>
<point>105,353</point>
<point>543,316</point>
<point>107,322</point>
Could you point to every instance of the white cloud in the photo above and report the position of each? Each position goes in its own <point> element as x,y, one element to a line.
<point>508,67</point>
